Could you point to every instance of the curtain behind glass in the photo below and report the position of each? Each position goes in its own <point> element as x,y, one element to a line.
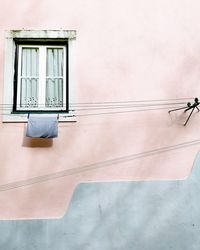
<point>29,77</point>
<point>54,77</point>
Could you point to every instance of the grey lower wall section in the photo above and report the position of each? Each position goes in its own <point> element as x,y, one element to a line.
<point>151,215</point>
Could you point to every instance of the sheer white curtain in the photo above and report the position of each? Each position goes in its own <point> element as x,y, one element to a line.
<point>54,77</point>
<point>51,81</point>
<point>29,77</point>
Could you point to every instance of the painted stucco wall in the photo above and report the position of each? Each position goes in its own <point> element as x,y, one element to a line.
<point>125,51</point>
<point>135,215</point>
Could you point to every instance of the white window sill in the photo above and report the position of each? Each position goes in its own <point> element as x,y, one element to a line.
<point>23,118</point>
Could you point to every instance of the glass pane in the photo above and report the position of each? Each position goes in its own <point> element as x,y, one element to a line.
<point>54,74</point>
<point>29,77</point>
<point>30,59</point>
<point>29,92</point>
<point>54,62</point>
<point>54,92</point>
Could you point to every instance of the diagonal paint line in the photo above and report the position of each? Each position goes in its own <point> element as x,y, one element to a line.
<point>94,166</point>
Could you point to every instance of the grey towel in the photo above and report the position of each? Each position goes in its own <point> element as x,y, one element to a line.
<point>42,127</point>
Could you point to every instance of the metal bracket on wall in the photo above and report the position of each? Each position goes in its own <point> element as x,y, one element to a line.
<point>188,107</point>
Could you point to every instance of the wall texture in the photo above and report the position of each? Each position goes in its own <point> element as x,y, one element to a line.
<point>125,51</point>
<point>117,216</point>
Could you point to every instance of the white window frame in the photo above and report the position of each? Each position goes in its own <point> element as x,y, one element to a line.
<point>41,78</point>
<point>10,49</point>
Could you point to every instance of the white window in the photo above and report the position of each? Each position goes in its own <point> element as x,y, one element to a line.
<point>39,74</point>
<point>41,78</point>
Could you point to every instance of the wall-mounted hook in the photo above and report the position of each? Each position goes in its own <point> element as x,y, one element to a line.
<point>188,107</point>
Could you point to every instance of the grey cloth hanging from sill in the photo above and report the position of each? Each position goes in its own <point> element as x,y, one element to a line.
<point>42,127</point>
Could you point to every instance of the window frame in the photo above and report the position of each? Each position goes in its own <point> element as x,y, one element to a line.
<point>41,45</point>
<point>52,37</point>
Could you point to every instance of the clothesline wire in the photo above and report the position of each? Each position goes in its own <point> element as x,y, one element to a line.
<point>112,107</point>
<point>102,113</point>
<point>114,102</point>
<point>121,112</point>
<point>103,105</point>
<point>125,104</point>
<point>128,105</point>
<point>90,167</point>
<point>135,101</point>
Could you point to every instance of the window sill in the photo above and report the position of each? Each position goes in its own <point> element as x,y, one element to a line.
<point>23,118</point>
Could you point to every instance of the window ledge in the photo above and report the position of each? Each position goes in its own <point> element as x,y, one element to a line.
<point>23,118</point>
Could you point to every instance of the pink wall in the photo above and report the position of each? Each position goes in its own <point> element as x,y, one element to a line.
<point>126,50</point>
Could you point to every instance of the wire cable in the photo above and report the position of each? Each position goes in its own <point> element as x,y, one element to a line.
<point>97,114</point>
<point>112,106</point>
<point>90,167</point>
<point>115,102</point>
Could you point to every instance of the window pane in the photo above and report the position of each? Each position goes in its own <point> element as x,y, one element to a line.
<point>29,92</point>
<point>29,77</point>
<point>54,92</point>
<point>54,77</point>
<point>54,62</point>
